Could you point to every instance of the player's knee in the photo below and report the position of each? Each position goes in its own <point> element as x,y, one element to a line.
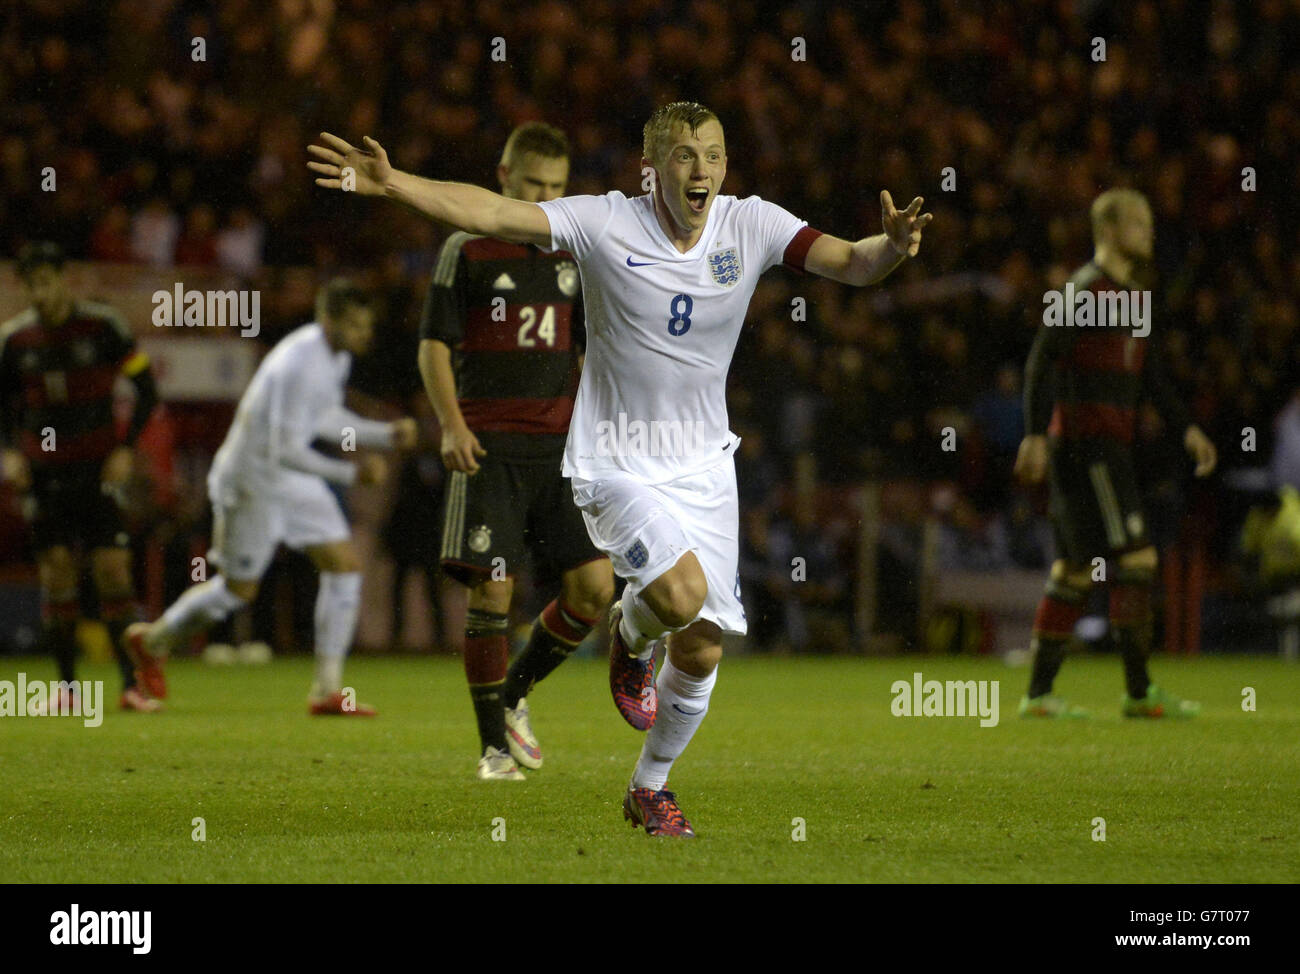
<point>492,595</point>
<point>677,596</point>
<point>245,591</point>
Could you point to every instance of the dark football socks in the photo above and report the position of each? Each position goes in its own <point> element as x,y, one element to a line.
<point>1131,627</point>
<point>557,632</point>
<point>1059,610</point>
<point>59,635</point>
<point>486,657</point>
<point>117,615</point>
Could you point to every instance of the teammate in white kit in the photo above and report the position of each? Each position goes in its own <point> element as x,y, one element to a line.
<point>267,485</point>
<point>667,279</point>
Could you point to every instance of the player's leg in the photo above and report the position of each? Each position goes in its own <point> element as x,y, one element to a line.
<point>557,538</point>
<point>707,508</point>
<point>314,524</point>
<point>245,532</point>
<point>1078,526</point>
<point>1060,608</point>
<point>1131,629</point>
<point>1129,598</point>
<point>338,604</point>
<point>486,659</point>
<point>640,619</point>
<point>482,543</point>
<point>585,592</point>
<point>685,684</point>
<point>642,532</point>
<point>1113,478</point>
<point>60,607</point>
<point>56,537</point>
<point>198,609</point>
<point>110,568</point>
<point>557,631</point>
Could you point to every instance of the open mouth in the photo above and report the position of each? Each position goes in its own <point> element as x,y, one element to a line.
<point>697,199</point>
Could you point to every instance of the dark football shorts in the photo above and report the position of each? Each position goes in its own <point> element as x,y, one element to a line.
<point>509,509</point>
<point>72,509</point>
<point>1096,505</point>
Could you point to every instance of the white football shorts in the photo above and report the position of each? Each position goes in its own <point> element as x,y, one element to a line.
<point>248,523</point>
<point>645,528</point>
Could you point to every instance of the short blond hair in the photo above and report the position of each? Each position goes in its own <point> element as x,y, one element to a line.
<point>1111,205</point>
<point>659,129</point>
<point>540,138</point>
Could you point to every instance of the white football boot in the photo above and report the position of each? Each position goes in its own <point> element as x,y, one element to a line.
<point>496,765</point>
<point>519,735</point>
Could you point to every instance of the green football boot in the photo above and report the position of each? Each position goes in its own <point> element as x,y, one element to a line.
<point>1160,703</point>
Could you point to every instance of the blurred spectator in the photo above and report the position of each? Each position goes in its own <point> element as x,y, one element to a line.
<point>111,238</point>
<point>198,242</point>
<point>239,243</point>
<point>154,231</point>
<point>808,580</point>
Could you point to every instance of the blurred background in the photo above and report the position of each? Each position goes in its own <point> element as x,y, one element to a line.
<point>176,170</point>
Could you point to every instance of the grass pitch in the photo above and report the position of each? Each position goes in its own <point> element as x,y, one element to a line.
<point>288,798</point>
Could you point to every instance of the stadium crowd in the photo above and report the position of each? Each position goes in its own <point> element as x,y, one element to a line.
<point>1009,131</point>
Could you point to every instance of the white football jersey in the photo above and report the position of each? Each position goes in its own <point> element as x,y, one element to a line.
<point>661,329</point>
<point>296,396</point>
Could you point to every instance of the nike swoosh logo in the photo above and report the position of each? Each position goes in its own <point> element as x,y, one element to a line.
<point>688,713</point>
<point>639,263</point>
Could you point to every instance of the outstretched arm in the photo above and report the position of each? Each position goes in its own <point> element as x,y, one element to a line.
<point>870,259</point>
<point>471,208</point>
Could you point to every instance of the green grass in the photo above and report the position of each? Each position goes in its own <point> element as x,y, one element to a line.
<point>287,798</point>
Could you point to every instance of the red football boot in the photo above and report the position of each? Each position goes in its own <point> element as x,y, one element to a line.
<point>631,680</point>
<point>656,812</point>
<point>148,668</point>
<point>339,705</point>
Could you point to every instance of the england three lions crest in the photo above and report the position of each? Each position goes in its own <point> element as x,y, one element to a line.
<point>724,265</point>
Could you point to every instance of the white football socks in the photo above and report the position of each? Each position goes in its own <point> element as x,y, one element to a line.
<point>199,607</point>
<point>683,702</point>
<point>338,603</point>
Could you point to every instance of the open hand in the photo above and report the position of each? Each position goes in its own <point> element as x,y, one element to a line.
<point>902,227</point>
<point>344,166</point>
